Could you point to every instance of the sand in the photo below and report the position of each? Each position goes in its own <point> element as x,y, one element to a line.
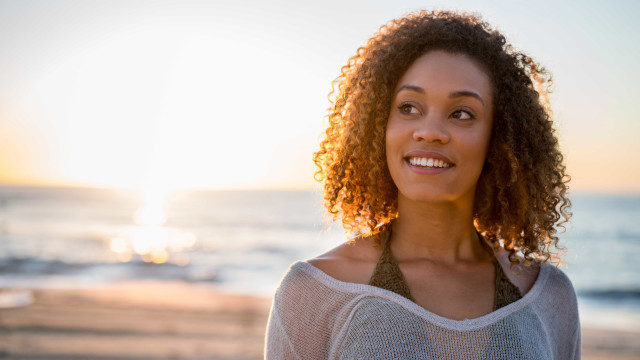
<point>173,320</point>
<point>137,320</point>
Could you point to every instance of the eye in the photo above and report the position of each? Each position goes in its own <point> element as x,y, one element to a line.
<point>407,108</point>
<point>462,115</point>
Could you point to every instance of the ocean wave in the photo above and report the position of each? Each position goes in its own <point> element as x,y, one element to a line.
<point>613,294</point>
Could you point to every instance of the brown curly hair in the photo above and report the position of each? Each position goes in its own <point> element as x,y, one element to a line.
<point>521,193</point>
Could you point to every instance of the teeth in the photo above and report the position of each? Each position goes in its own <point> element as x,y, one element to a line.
<point>429,162</point>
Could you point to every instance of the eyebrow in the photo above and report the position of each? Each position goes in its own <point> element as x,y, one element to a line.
<point>455,94</point>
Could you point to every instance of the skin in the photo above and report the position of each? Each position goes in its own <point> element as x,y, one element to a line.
<point>442,108</point>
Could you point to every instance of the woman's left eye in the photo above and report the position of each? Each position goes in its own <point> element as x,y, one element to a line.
<point>462,115</point>
<point>407,108</point>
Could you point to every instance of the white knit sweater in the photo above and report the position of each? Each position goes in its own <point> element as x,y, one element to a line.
<point>315,316</point>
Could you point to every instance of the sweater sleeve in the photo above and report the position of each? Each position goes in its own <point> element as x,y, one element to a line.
<point>303,318</point>
<point>577,344</point>
<point>558,310</point>
<point>277,342</point>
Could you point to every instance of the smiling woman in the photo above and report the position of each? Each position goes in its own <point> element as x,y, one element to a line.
<point>439,102</point>
<point>441,161</point>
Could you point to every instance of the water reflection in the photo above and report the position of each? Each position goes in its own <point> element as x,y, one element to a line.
<point>150,239</point>
<point>152,212</point>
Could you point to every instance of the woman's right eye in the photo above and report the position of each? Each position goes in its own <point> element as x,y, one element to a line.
<point>407,108</point>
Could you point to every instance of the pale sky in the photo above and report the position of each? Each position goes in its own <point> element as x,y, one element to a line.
<point>204,94</point>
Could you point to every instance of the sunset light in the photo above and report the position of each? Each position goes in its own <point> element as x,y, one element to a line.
<point>149,238</point>
<point>158,200</point>
<point>187,97</point>
<point>152,211</point>
<point>158,99</point>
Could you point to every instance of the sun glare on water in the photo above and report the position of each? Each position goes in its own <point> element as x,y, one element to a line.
<point>149,238</point>
<point>152,212</point>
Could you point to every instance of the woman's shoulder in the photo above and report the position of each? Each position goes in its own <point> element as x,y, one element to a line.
<point>351,262</point>
<point>347,264</point>
<point>524,277</point>
<point>549,285</point>
<point>310,303</point>
<point>559,286</point>
<point>556,304</point>
<point>313,293</point>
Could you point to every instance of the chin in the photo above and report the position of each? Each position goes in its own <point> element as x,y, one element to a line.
<point>433,195</point>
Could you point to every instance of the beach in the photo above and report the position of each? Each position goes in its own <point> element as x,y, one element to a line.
<point>98,282</point>
<point>135,320</point>
<point>174,320</point>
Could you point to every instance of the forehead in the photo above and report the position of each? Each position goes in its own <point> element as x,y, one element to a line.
<point>440,70</point>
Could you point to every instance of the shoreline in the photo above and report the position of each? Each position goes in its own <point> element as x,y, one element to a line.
<point>174,320</point>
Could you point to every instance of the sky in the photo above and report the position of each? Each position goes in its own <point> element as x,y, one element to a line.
<point>233,95</point>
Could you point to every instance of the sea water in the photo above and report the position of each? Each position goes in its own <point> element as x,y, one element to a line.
<point>244,241</point>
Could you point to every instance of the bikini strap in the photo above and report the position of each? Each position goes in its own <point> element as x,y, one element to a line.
<point>387,274</point>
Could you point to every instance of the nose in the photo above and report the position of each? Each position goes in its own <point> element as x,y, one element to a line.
<point>432,129</point>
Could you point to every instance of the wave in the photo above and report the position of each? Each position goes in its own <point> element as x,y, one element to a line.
<point>611,294</point>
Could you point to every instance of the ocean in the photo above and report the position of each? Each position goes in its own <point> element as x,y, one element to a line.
<point>244,241</point>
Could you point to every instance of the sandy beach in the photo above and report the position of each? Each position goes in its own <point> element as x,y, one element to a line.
<point>173,320</point>
<point>137,320</point>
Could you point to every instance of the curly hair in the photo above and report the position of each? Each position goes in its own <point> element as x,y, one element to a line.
<point>521,193</point>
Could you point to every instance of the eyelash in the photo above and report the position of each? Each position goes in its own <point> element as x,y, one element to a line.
<point>471,115</point>
<point>404,105</point>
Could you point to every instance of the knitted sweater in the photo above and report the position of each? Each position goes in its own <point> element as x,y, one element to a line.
<point>315,316</point>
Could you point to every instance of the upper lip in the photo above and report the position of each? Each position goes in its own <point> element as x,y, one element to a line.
<point>428,155</point>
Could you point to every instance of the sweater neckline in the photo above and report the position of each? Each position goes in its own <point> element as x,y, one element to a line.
<point>366,290</point>
<point>387,275</point>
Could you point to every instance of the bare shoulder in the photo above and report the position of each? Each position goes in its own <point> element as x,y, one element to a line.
<point>524,277</point>
<point>350,262</point>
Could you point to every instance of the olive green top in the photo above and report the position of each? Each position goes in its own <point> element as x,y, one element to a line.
<point>387,275</point>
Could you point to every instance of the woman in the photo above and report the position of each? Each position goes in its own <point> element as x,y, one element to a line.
<point>441,160</point>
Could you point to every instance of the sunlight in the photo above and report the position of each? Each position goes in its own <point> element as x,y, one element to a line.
<point>149,239</point>
<point>169,110</point>
<point>152,211</point>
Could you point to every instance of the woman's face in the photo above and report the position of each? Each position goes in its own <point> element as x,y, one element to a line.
<point>439,128</point>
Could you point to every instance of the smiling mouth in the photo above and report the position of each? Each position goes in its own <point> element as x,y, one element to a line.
<point>429,162</point>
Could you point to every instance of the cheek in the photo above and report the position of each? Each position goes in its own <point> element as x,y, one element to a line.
<point>389,139</point>
<point>395,135</point>
<point>486,140</point>
<point>389,150</point>
<point>478,147</point>
<point>393,151</point>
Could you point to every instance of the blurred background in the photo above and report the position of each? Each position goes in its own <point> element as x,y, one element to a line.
<point>157,150</point>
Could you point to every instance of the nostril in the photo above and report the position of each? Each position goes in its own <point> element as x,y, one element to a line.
<point>432,134</point>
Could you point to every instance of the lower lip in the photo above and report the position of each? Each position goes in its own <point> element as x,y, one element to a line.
<point>426,170</point>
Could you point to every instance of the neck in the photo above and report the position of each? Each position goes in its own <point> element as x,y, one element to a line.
<point>442,232</point>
